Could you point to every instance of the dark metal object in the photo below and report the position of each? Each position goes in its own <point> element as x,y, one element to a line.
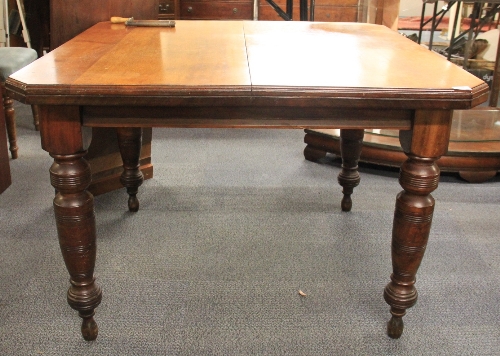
<point>477,22</point>
<point>289,8</point>
<point>455,24</point>
<point>280,12</point>
<point>303,10</point>
<point>150,23</point>
<point>288,15</point>
<point>311,10</point>
<point>434,19</point>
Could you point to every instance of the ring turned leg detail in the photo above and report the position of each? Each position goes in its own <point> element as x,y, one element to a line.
<point>130,142</point>
<point>74,211</point>
<point>351,143</point>
<point>412,223</point>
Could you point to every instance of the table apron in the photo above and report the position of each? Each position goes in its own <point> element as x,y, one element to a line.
<point>246,117</point>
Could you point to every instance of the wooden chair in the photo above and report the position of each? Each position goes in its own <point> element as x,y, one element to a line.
<point>11,60</point>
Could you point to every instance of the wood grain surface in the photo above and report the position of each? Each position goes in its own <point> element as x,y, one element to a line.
<point>247,58</point>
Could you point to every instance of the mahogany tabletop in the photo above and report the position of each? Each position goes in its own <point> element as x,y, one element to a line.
<point>111,63</point>
<point>244,74</point>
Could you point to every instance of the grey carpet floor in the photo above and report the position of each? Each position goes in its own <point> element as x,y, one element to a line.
<point>233,224</point>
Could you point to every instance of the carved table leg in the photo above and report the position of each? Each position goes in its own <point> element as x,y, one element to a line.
<point>10,121</point>
<point>351,143</point>
<point>419,176</point>
<point>67,141</point>
<point>74,211</point>
<point>130,141</point>
<point>412,224</point>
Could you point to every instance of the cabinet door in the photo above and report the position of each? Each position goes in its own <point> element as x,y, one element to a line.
<point>216,10</point>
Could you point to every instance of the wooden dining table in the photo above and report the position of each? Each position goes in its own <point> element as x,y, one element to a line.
<point>244,74</point>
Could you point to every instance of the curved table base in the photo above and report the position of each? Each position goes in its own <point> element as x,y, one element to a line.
<point>473,165</point>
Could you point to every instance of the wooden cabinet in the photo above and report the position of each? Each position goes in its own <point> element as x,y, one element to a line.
<point>166,9</point>
<point>340,10</point>
<point>216,10</point>
<point>68,18</point>
<point>325,10</point>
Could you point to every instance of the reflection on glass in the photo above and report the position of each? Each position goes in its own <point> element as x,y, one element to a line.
<point>467,126</point>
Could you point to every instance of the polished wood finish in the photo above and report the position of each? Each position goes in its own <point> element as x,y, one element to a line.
<point>5,178</point>
<point>73,207</point>
<point>419,176</point>
<point>217,74</point>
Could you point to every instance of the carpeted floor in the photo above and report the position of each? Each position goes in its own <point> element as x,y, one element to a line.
<point>233,224</point>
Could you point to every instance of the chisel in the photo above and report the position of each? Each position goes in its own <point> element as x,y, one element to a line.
<point>129,21</point>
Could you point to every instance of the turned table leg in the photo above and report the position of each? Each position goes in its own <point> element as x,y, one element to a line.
<point>67,141</point>
<point>419,176</point>
<point>130,142</point>
<point>74,210</point>
<point>10,122</point>
<point>412,224</point>
<point>351,143</point>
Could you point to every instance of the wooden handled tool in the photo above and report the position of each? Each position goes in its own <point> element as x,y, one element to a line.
<point>116,19</point>
<point>145,23</point>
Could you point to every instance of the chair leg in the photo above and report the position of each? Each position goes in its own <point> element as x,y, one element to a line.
<point>36,120</point>
<point>10,121</point>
